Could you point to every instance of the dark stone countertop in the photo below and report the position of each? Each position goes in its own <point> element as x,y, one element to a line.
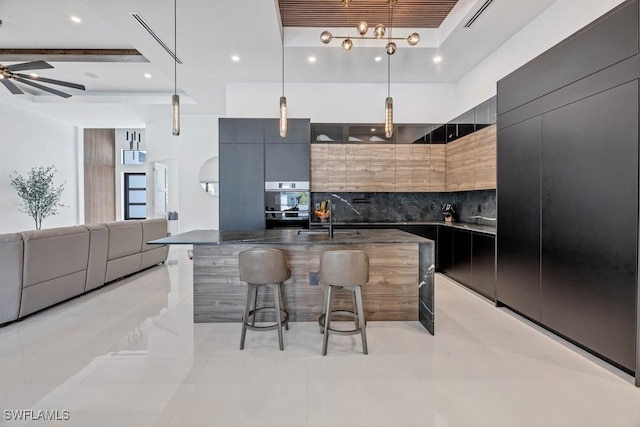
<point>291,237</point>
<point>486,229</point>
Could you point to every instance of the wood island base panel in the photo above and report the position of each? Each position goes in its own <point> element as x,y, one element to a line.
<point>401,273</point>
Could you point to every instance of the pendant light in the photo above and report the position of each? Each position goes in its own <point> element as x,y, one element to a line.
<point>388,103</point>
<point>175,99</point>
<point>283,99</point>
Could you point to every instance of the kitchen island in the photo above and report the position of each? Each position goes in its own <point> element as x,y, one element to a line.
<point>401,269</point>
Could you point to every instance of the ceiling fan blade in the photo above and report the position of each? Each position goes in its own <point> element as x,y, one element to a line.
<point>33,65</point>
<point>13,88</point>
<point>39,86</point>
<point>52,81</point>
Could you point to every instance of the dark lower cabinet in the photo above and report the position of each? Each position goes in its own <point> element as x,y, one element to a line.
<point>483,258</point>
<point>445,250</point>
<point>461,265</point>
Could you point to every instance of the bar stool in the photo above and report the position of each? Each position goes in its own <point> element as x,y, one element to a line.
<point>343,269</point>
<point>264,267</point>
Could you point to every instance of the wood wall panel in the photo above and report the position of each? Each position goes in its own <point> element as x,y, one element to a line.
<point>390,294</point>
<point>485,158</point>
<point>99,175</point>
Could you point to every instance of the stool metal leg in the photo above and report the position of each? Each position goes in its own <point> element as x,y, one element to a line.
<point>254,305</point>
<point>324,309</point>
<point>363,326</point>
<point>283,301</point>
<point>245,317</point>
<point>276,299</point>
<point>327,320</point>
<point>356,309</point>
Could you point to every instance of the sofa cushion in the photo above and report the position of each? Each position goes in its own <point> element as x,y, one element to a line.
<point>153,229</point>
<point>125,238</point>
<point>98,249</point>
<point>11,253</point>
<point>53,253</point>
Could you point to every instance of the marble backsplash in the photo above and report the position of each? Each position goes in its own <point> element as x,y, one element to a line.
<point>475,207</point>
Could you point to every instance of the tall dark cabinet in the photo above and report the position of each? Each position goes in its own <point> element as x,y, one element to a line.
<point>567,234</point>
<point>252,152</point>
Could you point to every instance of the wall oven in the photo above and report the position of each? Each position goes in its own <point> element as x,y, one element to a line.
<point>286,204</point>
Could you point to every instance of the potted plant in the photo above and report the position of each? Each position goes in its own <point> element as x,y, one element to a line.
<point>40,197</point>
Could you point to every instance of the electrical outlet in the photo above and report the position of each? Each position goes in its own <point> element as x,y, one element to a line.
<point>313,278</point>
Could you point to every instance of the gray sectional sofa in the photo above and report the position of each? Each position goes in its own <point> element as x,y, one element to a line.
<point>41,268</point>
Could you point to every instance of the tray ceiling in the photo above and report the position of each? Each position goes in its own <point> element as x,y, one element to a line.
<point>331,13</point>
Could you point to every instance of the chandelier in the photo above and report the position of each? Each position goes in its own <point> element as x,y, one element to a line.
<point>379,32</point>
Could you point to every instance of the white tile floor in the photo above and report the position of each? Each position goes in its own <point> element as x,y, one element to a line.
<point>130,355</point>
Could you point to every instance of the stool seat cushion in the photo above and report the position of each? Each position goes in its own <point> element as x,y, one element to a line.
<point>263,266</point>
<point>344,268</point>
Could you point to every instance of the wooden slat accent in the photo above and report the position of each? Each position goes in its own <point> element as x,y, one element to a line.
<point>99,175</point>
<point>72,55</point>
<point>331,13</point>
<point>390,294</point>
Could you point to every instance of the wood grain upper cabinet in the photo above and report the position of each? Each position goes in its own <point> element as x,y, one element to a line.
<point>383,167</point>
<point>319,167</point>
<point>404,167</point>
<point>358,168</point>
<point>471,161</point>
<point>438,168</point>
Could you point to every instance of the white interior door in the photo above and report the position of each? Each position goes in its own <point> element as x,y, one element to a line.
<point>161,192</point>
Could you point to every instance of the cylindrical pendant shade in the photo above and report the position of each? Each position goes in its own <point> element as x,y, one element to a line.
<point>283,116</point>
<point>175,114</point>
<point>388,117</point>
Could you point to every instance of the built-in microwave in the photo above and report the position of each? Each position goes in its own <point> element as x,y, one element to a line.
<point>286,204</point>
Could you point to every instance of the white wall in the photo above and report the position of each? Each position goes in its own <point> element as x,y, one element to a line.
<point>30,140</point>
<point>558,22</point>
<point>185,154</point>
<point>343,103</point>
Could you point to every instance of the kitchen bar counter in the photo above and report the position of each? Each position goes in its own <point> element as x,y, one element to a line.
<point>478,228</point>
<point>401,272</point>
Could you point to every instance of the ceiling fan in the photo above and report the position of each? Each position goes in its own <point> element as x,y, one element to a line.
<point>10,72</point>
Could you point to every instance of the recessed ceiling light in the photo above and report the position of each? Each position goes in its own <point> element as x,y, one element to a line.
<point>76,19</point>
<point>33,74</point>
<point>378,58</point>
<point>437,59</point>
<point>373,129</point>
<point>235,58</point>
<point>312,59</point>
<point>147,75</point>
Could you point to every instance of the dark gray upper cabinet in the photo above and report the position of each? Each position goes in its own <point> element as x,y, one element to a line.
<point>601,44</point>
<point>590,222</point>
<point>298,131</point>
<point>286,162</point>
<point>241,131</point>
<point>518,240</point>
